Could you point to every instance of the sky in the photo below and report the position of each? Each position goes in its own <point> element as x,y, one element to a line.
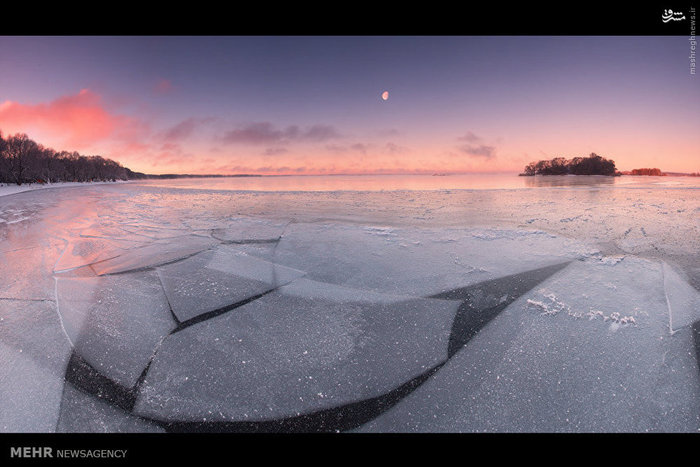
<point>314,105</point>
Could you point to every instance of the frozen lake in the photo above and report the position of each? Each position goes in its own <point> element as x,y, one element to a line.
<point>417,182</point>
<point>490,303</point>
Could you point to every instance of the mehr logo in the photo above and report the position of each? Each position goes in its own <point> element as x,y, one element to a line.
<point>670,15</point>
<point>31,452</point>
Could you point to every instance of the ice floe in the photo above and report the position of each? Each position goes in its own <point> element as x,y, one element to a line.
<point>306,347</point>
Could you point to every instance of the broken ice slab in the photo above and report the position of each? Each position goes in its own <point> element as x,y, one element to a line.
<point>115,322</point>
<point>154,232</point>
<point>84,251</point>
<point>34,351</point>
<point>155,254</point>
<point>216,279</point>
<point>85,413</point>
<point>588,350</point>
<point>418,262</point>
<point>306,347</point>
<point>482,302</point>
<point>111,230</point>
<point>683,300</point>
<point>26,271</point>
<point>248,230</point>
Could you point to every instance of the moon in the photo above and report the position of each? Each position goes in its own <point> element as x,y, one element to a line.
<point>385,95</point>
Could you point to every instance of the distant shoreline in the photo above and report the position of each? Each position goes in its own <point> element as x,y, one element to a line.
<point>142,176</point>
<point>619,174</point>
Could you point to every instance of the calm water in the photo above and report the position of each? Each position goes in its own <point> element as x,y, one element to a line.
<point>416,182</point>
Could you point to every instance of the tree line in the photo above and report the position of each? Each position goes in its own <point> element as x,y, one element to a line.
<point>591,165</point>
<point>23,160</point>
<point>647,171</point>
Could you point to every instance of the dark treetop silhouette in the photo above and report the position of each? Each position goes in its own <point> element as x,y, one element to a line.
<point>23,160</point>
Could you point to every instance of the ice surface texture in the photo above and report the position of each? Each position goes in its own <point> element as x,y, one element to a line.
<point>588,350</point>
<point>34,352</point>
<point>218,339</point>
<point>306,347</point>
<point>143,309</point>
<point>115,322</point>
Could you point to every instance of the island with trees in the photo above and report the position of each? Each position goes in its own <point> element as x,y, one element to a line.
<point>591,165</point>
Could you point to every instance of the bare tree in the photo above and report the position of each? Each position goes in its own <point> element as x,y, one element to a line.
<point>22,160</point>
<point>19,149</point>
<point>4,166</point>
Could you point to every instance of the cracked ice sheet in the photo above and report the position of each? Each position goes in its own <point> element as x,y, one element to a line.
<point>307,347</point>
<point>153,232</point>
<point>115,322</point>
<point>243,230</point>
<point>565,367</point>
<point>83,251</point>
<point>215,279</point>
<point>34,352</point>
<point>418,262</point>
<point>155,254</point>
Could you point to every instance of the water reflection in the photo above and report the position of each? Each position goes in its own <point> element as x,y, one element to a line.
<point>568,180</point>
<point>347,182</point>
<point>365,183</point>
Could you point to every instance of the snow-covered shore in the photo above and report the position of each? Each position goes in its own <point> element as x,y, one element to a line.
<point>11,189</point>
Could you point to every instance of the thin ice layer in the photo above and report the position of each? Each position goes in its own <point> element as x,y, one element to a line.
<point>155,254</point>
<point>115,322</point>
<point>303,348</point>
<point>587,351</point>
<point>217,279</point>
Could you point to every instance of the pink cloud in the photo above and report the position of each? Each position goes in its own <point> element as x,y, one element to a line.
<point>69,122</point>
